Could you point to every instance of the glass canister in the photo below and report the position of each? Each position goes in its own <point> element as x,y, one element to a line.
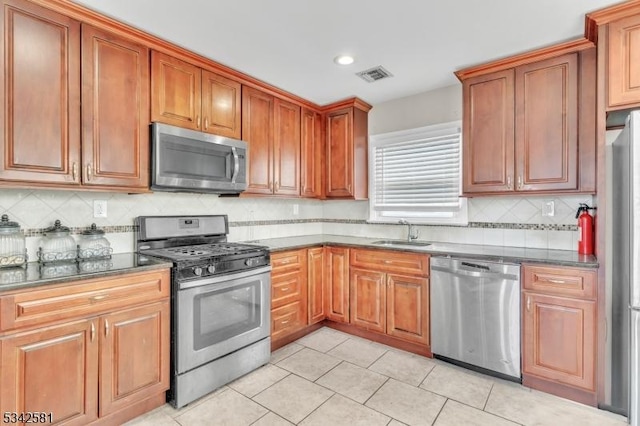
<point>12,244</point>
<point>93,244</point>
<point>57,245</point>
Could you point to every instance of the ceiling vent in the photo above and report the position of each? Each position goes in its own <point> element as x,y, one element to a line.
<point>374,74</point>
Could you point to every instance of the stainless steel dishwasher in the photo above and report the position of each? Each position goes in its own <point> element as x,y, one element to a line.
<point>475,314</point>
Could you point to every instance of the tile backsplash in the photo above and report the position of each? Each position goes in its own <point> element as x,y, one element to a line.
<point>514,221</point>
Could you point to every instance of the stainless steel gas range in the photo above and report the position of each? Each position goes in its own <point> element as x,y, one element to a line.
<point>220,297</point>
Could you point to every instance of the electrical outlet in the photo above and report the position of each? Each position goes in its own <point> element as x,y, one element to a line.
<point>296,209</point>
<point>99,208</point>
<point>548,209</point>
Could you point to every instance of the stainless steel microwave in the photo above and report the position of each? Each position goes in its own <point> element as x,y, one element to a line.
<point>184,160</point>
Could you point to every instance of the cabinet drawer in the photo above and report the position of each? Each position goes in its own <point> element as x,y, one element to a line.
<point>391,261</point>
<point>287,260</point>
<point>286,288</point>
<point>81,298</point>
<point>287,319</point>
<point>562,281</point>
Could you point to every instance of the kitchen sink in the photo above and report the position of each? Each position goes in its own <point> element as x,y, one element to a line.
<point>401,243</point>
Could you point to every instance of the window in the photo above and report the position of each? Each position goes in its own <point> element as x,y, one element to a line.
<point>416,175</point>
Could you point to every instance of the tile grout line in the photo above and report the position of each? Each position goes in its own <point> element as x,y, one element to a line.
<point>435,419</point>
<point>488,396</point>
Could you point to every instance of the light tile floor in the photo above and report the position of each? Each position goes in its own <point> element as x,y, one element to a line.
<point>331,378</point>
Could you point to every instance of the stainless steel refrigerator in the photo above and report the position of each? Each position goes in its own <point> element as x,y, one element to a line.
<point>625,261</point>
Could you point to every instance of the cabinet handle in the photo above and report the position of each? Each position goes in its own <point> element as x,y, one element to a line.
<point>271,186</point>
<point>277,186</point>
<point>387,261</point>
<point>557,281</point>
<point>74,171</point>
<point>509,182</point>
<point>519,182</point>
<point>106,327</point>
<point>93,331</point>
<point>89,172</point>
<point>349,187</point>
<point>285,322</point>
<point>206,123</point>
<point>528,303</point>
<point>98,297</point>
<point>197,121</point>
<point>284,289</point>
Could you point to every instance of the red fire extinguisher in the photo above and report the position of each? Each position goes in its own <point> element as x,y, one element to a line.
<point>585,229</point>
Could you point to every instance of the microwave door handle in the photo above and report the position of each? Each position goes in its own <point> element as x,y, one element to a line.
<point>236,164</point>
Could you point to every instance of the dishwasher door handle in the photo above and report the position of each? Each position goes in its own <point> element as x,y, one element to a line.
<point>476,274</point>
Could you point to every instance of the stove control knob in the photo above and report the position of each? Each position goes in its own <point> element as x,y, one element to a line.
<point>211,269</point>
<point>197,270</point>
<point>251,262</point>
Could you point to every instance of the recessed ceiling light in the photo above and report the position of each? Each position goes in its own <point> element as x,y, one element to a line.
<point>343,60</point>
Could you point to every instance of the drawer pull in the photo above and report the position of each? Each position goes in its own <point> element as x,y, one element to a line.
<point>557,281</point>
<point>98,297</point>
<point>284,289</point>
<point>285,322</point>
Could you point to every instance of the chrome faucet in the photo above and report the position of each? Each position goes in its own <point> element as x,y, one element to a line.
<point>412,233</point>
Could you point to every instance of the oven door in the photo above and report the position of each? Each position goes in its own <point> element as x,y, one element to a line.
<point>219,315</point>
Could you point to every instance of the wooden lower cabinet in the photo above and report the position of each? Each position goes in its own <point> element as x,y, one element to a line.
<point>288,293</point>
<point>387,302</point>
<point>559,331</point>
<point>337,276</point>
<point>88,364</point>
<point>317,285</point>
<point>52,370</point>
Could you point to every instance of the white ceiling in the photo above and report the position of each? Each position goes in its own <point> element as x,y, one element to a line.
<point>291,43</point>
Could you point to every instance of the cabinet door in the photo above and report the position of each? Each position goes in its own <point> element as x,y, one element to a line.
<point>286,149</point>
<point>52,370</point>
<point>316,281</point>
<point>221,98</point>
<point>175,92</point>
<point>312,154</point>
<point>257,131</point>
<point>559,339</point>
<point>368,299</point>
<point>488,133</point>
<point>408,308</point>
<point>40,92</point>
<point>134,356</point>
<point>115,110</point>
<point>337,276</point>
<point>339,159</point>
<point>624,62</point>
<point>547,124</point>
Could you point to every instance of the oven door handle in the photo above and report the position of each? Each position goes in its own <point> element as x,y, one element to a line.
<point>236,164</point>
<point>223,278</point>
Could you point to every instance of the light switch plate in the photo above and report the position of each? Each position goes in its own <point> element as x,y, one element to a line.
<point>296,209</point>
<point>99,208</point>
<point>548,208</point>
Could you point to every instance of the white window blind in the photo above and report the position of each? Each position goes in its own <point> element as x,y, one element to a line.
<point>416,173</point>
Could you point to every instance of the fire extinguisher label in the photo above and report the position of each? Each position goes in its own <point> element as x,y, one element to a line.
<point>579,233</point>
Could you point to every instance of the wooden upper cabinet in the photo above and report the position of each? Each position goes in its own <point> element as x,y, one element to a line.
<point>488,133</point>
<point>547,124</point>
<point>257,131</point>
<point>531,127</point>
<point>311,154</point>
<point>176,91</point>
<point>347,151</point>
<point>185,95</point>
<point>271,128</point>
<point>40,122</point>
<point>221,103</point>
<point>623,63</point>
<point>52,370</point>
<point>115,110</point>
<point>286,148</point>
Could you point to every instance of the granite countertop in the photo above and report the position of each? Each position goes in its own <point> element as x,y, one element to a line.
<point>472,251</point>
<point>34,274</point>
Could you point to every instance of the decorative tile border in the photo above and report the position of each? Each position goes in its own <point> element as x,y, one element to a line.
<point>36,232</point>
